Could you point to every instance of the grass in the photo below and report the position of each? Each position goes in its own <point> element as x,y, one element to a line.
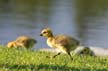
<point>26,60</point>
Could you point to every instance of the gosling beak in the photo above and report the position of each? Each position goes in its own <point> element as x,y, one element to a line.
<point>41,35</point>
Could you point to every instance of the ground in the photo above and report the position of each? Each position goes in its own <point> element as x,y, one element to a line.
<point>27,60</point>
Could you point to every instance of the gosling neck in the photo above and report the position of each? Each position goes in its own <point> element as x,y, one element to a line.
<point>50,36</point>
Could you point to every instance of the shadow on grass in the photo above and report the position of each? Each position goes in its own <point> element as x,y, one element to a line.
<point>47,67</point>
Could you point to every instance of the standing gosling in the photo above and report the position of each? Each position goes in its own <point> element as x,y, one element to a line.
<point>22,41</point>
<point>63,43</point>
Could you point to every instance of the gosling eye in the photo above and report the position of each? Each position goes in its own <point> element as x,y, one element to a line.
<point>44,32</point>
<point>23,41</point>
<point>85,50</point>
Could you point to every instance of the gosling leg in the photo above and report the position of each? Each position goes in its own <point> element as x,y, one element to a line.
<point>54,55</point>
<point>57,54</point>
<point>70,56</point>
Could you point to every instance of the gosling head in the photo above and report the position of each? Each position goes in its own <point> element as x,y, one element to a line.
<point>46,33</point>
<point>85,51</point>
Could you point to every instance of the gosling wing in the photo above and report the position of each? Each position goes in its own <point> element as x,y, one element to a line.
<point>66,41</point>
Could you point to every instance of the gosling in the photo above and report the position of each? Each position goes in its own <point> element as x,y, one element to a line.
<point>64,44</point>
<point>83,51</point>
<point>87,51</point>
<point>22,41</point>
<point>28,42</point>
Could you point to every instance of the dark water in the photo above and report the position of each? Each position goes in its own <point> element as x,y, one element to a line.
<point>86,20</point>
